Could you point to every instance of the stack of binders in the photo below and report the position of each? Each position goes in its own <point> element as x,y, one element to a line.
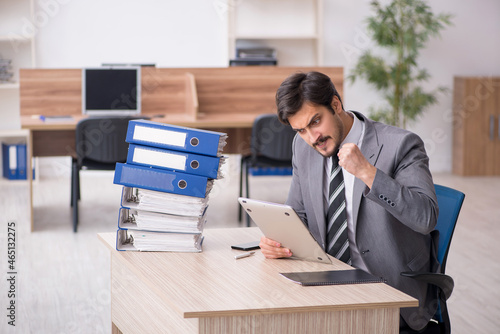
<point>169,173</point>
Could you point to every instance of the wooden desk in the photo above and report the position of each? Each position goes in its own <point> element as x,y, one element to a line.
<point>57,138</point>
<point>211,292</point>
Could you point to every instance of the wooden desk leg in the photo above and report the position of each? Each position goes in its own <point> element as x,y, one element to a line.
<point>29,172</point>
<point>115,329</point>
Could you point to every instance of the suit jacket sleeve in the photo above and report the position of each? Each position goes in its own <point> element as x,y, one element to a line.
<point>403,184</point>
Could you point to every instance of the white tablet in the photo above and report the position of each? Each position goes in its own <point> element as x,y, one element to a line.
<point>282,224</point>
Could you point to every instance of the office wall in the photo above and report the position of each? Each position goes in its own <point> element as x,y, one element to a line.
<point>470,47</point>
<point>170,33</point>
<point>77,33</point>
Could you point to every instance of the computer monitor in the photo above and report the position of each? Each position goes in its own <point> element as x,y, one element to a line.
<point>111,91</point>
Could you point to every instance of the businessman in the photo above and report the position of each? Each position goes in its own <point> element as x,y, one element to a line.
<point>387,194</point>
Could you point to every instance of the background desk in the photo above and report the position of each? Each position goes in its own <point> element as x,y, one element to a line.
<point>219,99</point>
<point>211,292</point>
<point>57,138</point>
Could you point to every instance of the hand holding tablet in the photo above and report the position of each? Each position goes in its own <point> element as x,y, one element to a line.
<point>281,223</point>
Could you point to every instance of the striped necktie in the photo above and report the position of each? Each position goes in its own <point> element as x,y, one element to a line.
<point>337,243</point>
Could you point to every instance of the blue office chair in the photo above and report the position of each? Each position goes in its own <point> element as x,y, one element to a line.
<point>449,202</point>
<point>270,152</point>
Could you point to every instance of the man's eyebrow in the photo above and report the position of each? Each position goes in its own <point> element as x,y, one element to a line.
<point>310,121</point>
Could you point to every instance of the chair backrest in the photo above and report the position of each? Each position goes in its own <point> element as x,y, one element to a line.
<point>450,202</point>
<point>102,139</point>
<point>271,138</point>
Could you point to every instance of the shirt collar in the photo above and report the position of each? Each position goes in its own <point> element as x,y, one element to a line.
<point>355,134</point>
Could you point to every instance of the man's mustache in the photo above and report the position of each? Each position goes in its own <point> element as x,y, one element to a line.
<point>321,140</point>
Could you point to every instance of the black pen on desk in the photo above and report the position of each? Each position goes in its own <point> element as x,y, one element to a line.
<point>240,256</point>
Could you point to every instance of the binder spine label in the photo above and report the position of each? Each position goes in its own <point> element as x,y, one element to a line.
<point>157,158</point>
<point>13,157</point>
<point>162,136</point>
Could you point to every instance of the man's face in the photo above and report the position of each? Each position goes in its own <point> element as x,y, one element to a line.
<point>319,127</point>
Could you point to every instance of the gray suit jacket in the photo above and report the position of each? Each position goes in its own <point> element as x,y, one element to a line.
<point>393,219</point>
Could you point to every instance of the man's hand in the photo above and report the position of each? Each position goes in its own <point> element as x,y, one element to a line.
<point>272,249</point>
<point>353,161</point>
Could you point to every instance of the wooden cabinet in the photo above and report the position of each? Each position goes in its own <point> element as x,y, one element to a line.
<point>292,27</point>
<point>476,126</point>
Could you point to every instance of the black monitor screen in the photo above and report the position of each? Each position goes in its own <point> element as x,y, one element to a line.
<point>111,91</point>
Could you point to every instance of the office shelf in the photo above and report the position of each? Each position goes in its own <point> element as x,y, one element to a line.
<point>17,44</point>
<point>14,85</point>
<point>292,27</point>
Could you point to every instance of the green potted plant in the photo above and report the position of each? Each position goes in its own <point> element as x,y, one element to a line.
<point>402,28</point>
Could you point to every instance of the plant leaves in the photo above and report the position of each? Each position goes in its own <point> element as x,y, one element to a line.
<point>403,27</point>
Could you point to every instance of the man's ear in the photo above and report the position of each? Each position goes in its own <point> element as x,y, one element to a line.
<point>336,105</point>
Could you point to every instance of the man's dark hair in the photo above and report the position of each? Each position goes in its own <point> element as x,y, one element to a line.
<point>312,87</point>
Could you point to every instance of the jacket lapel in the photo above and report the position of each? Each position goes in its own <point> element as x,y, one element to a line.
<point>316,183</point>
<point>370,148</point>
